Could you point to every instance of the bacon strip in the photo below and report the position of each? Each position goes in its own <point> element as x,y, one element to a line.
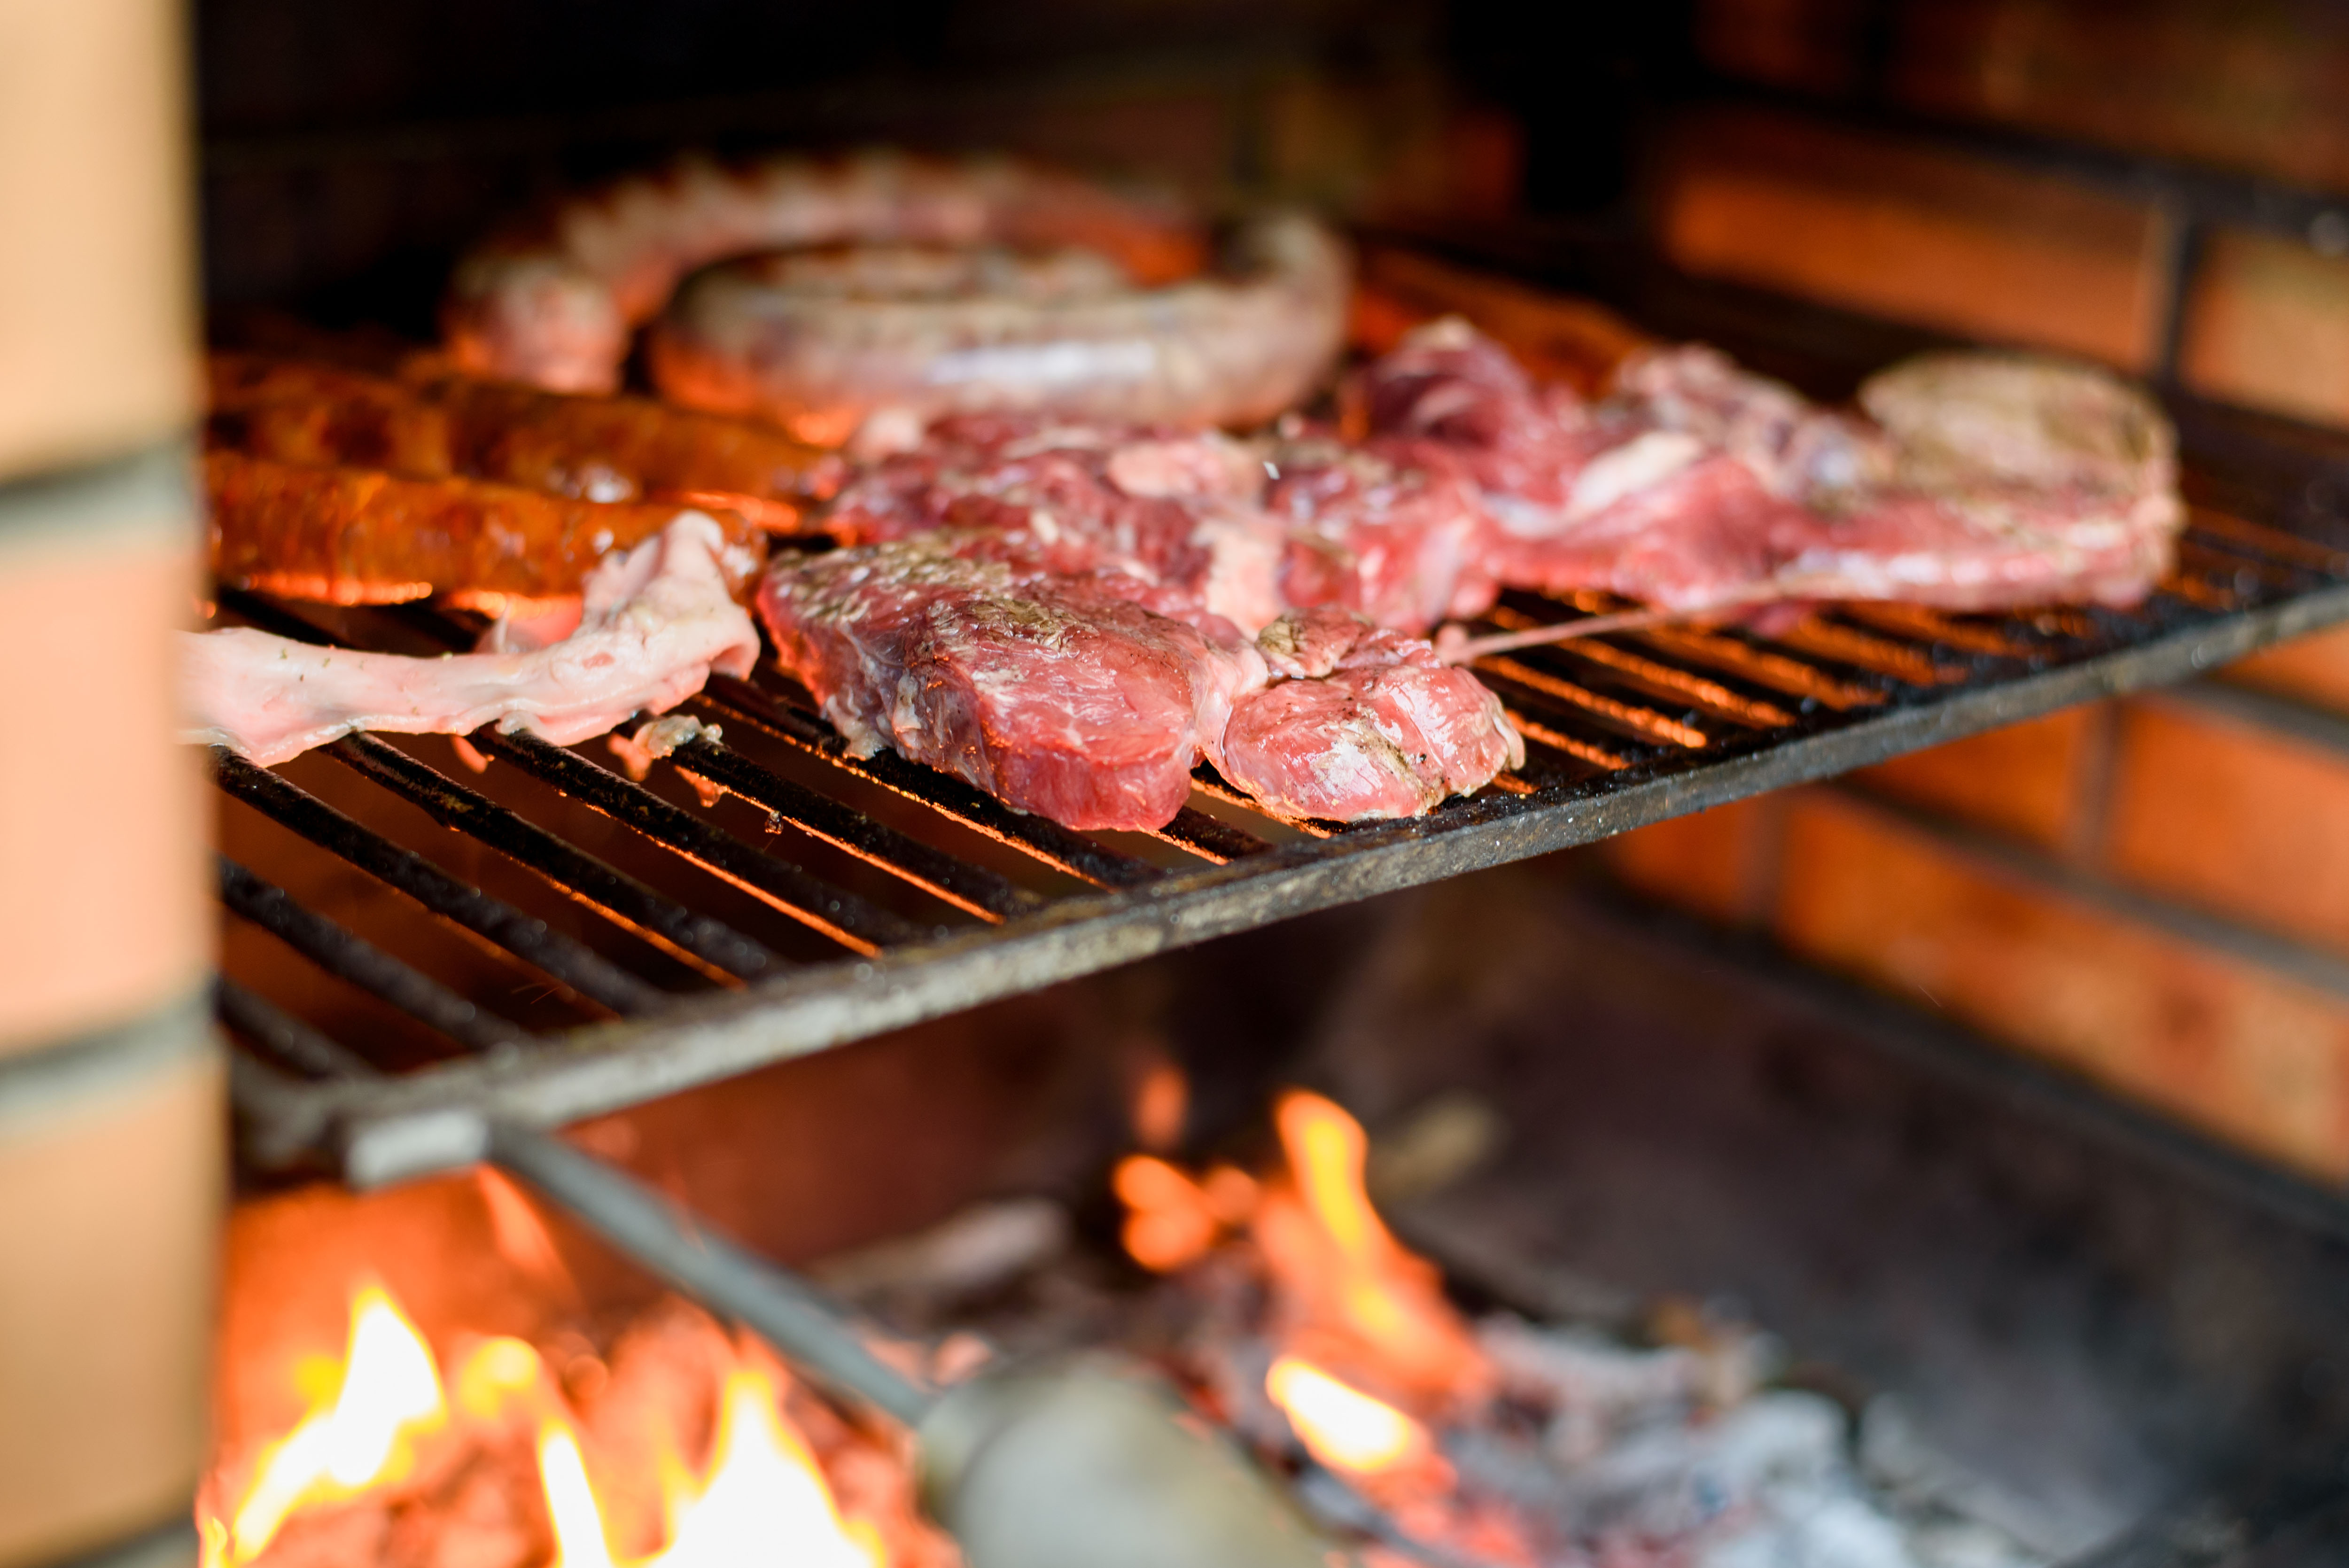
<point>656,620</point>
<point>357,536</point>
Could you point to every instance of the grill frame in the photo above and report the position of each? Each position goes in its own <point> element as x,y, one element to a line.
<point>2290,576</point>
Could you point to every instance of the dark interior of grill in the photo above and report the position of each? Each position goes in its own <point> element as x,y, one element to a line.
<point>2133,1335</point>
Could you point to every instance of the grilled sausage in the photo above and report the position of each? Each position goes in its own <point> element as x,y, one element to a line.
<point>360,536</point>
<point>444,426</point>
<point>554,302</point>
<point>750,338</point>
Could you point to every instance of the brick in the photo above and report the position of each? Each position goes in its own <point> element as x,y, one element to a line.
<point>2026,780</point>
<point>96,304</point>
<point>109,1221</point>
<point>2314,669</point>
<point>101,840</point>
<point>2236,819</point>
<point>1919,235</point>
<point>1715,863</point>
<point>2218,1042</point>
<point>2257,87</point>
<point>2269,326</point>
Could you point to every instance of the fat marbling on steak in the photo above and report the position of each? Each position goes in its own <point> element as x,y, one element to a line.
<point>1392,528</point>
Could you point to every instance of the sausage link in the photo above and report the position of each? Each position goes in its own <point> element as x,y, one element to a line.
<point>359,536</point>
<point>553,302</point>
<point>442,427</point>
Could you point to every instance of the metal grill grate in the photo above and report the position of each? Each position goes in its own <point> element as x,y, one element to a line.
<point>568,941</point>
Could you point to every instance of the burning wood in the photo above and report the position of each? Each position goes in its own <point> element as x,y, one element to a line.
<point>1285,1309</point>
<point>514,1463</point>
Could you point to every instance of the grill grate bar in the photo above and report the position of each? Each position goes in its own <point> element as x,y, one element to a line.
<point>837,913</point>
<point>1061,848</point>
<point>973,889</point>
<point>716,949</point>
<point>286,1039</point>
<point>348,957</point>
<point>1209,838</point>
<point>532,939</point>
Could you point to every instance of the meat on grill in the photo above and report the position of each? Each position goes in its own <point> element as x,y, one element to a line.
<point>1088,698</point>
<point>655,621</point>
<point>820,343</point>
<point>1371,724</point>
<point>1393,530</point>
<point>433,426</point>
<point>1984,481</point>
<point>1063,696</point>
<point>365,536</point>
<point>1177,509</point>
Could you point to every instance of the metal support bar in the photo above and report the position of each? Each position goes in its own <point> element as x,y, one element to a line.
<point>710,945</point>
<point>841,916</point>
<point>774,1303</point>
<point>353,958</point>
<point>530,939</point>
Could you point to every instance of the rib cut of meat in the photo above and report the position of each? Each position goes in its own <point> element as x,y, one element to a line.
<point>1369,725</point>
<point>1061,695</point>
<point>656,620</point>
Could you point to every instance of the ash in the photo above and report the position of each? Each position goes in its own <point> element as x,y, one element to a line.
<point>1682,1441</point>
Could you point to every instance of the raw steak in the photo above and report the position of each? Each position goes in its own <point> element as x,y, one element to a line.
<point>1088,698</point>
<point>1392,528</point>
<point>1061,695</point>
<point>1175,509</point>
<point>1985,480</point>
<point>1369,724</point>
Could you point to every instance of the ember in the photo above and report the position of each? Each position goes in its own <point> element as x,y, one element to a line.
<point>507,1471</point>
<point>1283,1305</point>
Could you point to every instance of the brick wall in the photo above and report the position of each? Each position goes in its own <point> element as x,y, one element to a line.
<point>2153,892</point>
<point>1914,231</point>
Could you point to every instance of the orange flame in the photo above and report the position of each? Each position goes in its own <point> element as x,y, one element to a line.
<point>387,1396</point>
<point>1171,1220</point>
<point>1345,1283</point>
<point>765,1499</point>
<point>1345,1428</point>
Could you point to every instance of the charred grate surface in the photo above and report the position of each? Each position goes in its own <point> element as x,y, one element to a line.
<point>514,929</point>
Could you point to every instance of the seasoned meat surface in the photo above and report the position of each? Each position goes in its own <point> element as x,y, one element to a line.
<point>1060,694</point>
<point>1373,726</point>
<point>363,536</point>
<point>1088,698</point>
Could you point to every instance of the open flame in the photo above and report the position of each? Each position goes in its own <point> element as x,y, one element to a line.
<point>388,1394</point>
<point>1342,1426</point>
<point>1349,1293</point>
<point>761,1499</point>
